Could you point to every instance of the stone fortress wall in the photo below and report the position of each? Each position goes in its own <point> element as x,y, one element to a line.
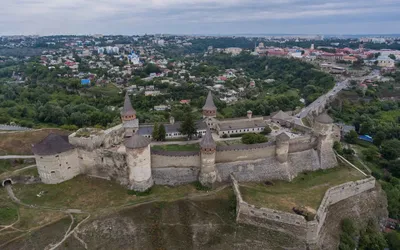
<point>293,224</point>
<point>121,154</point>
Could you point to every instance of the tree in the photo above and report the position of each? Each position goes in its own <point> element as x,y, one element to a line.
<point>393,239</point>
<point>391,149</point>
<point>351,137</point>
<point>253,138</point>
<point>267,130</point>
<point>155,132</point>
<point>371,238</point>
<point>379,138</point>
<point>392,56</point>
<point>188,127</point>
<point>161,133</point>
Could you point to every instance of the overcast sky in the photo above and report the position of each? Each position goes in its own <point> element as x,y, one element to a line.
<point>128,17</point>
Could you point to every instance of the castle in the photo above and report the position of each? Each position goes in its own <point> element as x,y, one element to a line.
<point>123,153</point>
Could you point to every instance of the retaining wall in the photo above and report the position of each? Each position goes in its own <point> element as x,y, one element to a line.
<point>294,224</point>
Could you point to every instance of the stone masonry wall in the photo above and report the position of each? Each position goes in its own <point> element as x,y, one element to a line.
<point>293,224</point>
<point>162,161</point>
<point>302,143</point>
<point>244,154</point>
<point>173,176</point>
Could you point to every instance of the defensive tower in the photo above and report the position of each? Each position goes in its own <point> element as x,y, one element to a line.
<point>208,147</point>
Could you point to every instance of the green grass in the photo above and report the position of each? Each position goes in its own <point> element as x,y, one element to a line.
<point>306,190</point>
<point>177,147</point>
<point>229,142</point>
<point>91,194</point>
<point>8,214</point>
<point>306,122</point>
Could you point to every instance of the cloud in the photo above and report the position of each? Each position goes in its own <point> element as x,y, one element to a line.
<point>188,16</point>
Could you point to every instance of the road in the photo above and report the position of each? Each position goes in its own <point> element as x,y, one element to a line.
<point>321,101</point>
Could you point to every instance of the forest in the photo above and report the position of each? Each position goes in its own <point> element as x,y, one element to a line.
<point>380,120</point>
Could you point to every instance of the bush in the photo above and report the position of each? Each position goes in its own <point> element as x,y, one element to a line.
<point>144,193</point>
<point>70,127</point>
<point>337,146</point>
<point>236,135</point>
<point>267,130</point>
<point>252,138</point>
<point>351,137</point>
<point>200,187</point>
<point>224,136</point>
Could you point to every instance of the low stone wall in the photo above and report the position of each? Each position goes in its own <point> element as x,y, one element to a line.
<point>294,224</point>
<point>244,152</point>
<point>162,159</point>
<point>339,193</point>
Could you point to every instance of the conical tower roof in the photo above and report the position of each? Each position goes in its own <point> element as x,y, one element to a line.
<point>136,141</point>
<point>128,109</point>
<point>209,105</point>
<point>51,145</point>
<point>208,141</point>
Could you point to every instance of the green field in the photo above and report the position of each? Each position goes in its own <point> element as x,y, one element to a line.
<point>177,147</point>
<point>306,190</point>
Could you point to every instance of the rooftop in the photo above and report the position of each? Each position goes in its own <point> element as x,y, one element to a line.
<point>209,105</point>
<point>136,141</point>
<point>51,145</point>
<point>127,109</point>
<point>242,124</point>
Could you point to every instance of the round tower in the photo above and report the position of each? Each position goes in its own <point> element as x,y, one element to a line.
<point>208,147</point>
<point>138,158</point>
<point>56,159</point>
<point>209,108</point>
<point>128,117</point>
<point>323,124</point>
<point>282,147</point>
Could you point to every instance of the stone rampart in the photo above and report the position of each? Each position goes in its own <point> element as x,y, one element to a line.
<point>294,224</point>
<point>181,159</point>
<point>339,193</point>
<point>173,176</point>
<point>243,152</point>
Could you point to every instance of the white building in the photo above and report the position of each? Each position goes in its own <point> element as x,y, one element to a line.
<point>385,61</point>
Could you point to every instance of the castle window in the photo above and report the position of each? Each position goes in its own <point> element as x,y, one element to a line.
<point>278,217</point>
<point>69,167</point>
<point>57,155</point>
<point>60,165</point>
<point>41,157</point>
<point>53,172</point>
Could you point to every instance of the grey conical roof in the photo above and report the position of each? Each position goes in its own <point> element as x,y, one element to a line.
<point>208,141</point>
<point>51,145</point>
<point>283,137</point>
<point>281,115</point>
<point>137,141</point>
<point>128,109</point>
<point>324,118</point>
<point>209,105</point>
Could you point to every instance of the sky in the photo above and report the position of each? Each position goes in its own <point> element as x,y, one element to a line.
<point>219,17</point>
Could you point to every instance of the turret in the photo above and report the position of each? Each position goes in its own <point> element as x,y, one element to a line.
<point>56,159</point>
<point>138,159</point>
<point>282,147</point>
<point>209,108</point>
<point>208,173</point>
<point>128,117</point>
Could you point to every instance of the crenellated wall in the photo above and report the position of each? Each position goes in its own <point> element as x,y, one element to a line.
<point>294,224</point>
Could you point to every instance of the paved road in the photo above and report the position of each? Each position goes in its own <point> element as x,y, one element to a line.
<point>321,101</point>
<point>4,157</point>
